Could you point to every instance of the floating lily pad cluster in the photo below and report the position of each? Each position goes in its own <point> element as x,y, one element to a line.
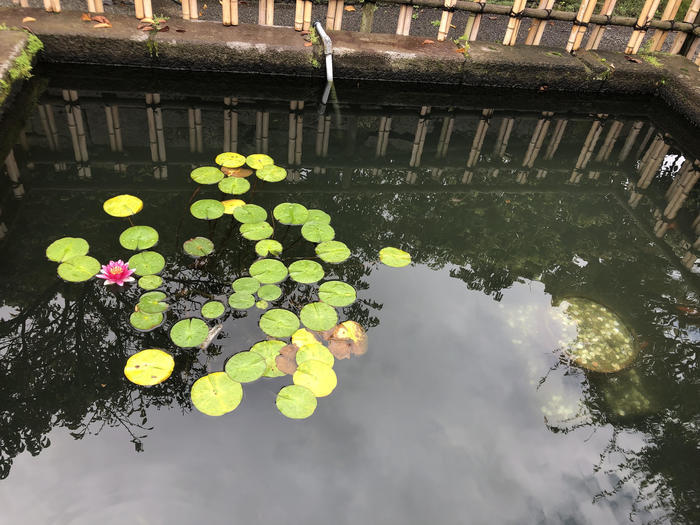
<point>74,264</point>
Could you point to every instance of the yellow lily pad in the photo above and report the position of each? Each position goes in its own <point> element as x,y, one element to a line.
<point>123,206</point>
<point>149,367</point>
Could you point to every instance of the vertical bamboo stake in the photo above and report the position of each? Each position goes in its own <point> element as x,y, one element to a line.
<point>225,12</point>
<point>659,37</point>
<point>307,14</point>
<point>185,9</point>
<point>299,15</point>
<point>403,27</point>
<point>194,9</point>
<point>554,142</point>
<point>99,8</point>
<point>514,23</point>
<point>339,7</point>
<point>270,13</point>
<point>690,15</point>
<point>234,12</point>
<point>580,23</point>
<point>446,19</point>
<point>534,33</point>
<point>48,6</point>
<point>645,17</point>
<point>596,30</point>
<point>90,6</point>
<point>56,6</point>
<point>331,14</point>
<point>473,23</point>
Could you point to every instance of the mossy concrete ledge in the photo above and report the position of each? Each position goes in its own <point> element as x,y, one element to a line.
<point>210,46</point>
<point>18,51</point>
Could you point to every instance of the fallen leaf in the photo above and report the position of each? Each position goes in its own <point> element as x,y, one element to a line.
<point>101,19</point>
<point>460,50</point>
<point>289,351</point>
<point>544,87</point>
<point>308,44</point>
<point>453,26</point>
<point>101,26</point>
<point>28,19</point>
<point>146,20</point>
<point>632,59</point>
<point>285,364</point>
<point>493,18</point>
<point>85,17</point>
<point>426,41</point>
<point>349,8</point>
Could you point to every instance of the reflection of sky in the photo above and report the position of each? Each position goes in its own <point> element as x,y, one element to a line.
<point>439,422</point>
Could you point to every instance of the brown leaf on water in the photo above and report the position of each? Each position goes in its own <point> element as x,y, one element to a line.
<point>349,8</point>
<point>28,19</point>
<point>101,26</point>
<point>427,41</point>
<point>237,172</point>
<point>352,335</point>
<point>340,349</point>
<point>308,44</point>
<point>285,364</point>
<point>289,351</point>
<point>85,17</point>
<point>101,19</point>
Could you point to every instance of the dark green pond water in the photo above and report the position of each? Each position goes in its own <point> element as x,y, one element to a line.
<point>464,409</point>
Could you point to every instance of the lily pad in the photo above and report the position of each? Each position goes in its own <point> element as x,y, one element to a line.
<point>262,304</point>
<point>318,316</point>
<point>237,172</point>
<point>306,272</point>
<point>67,248</point>
<point>79,268</point>
<point>150,282</point>
<point>216,394</point>
<point>234,185</point>
<point>152,303</point>
<point>332,251</point>
<point>241,300</point>
<point>394,257</point>
<point>145,322</point>
<point>318,216</point>
<point>245,367</point>
<point>286,364</point>
<point>315,351</point>
<point>258,160</point>
<point>138,238</point>
<point>317,232</point>
<point>269,292</point>
<point>250,213</point>
<point>198,246</point>
<point>207,175</point>
<point>296,402</point>
<point>268,271</point>
<point>207,209</point>
<point>246,285</point>
<point>271,173</point>
<point>348,338</point>
<point>147,263</point>
<point>230,159</point>
<point>189,332</point>
<point>317,377</point>
<point>213,309</point>
<point>268,247</point>
<point>149,367</point>
<point>231,205</point>
<point>279,323</point>
<point>269,350</point>
<point>303,337</point>
<point>123,206</point>
<point>337,293</point>
<point>291,213</point>
<point>256,231</point>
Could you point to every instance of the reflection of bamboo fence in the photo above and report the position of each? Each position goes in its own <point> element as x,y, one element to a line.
<point>230,124</point>
<point>323,131</point>
<point>554,142</point>
<point>419,138</point>
<point>262,131</point>
<point>477,144</point>
<point>445,136</point>
<point>194,117</point>
<point>76,126</point>
<point>630,140</point>
<point>156,135</point>
<point>503,136</point>
<point>679,190</point>
<point>383,136</point>
<point>296,128</point>
<point>13,174</point>
<point>587,149</point>
<point>537,139</point>
<point>114,132</point>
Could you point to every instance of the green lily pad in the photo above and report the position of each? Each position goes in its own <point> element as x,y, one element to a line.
<point>207,209</point>
<point>245,367</point>
<point>258,161</point>
<point>332,251</point>
<point>317,377</point>
<point>230,159</point>
<point>306,272</point>
<point>318,316</point>
<point>138,238</point>
<point>394,257</point>
<point>234,185</point>
<point>296,402</point>
<point>317,232</point>
<point>207,175</point>
<point>145,322</point>
<point>250,213</point>
<point>315,351</point>
<point>268,271</point>
<point>198,246</point>
<point>149,367</point>
<point>318,216</point>
<point>279,323</point>
<point>268,247</point>
<point>67,248</point>
<point>150,282</point>
<point>122,206</point>
<point>337,293</point>
<point>256,231</point>
<point>147,263</point>
<point>216,394</point>
<point>241,300</point>
<point>269,350</point>
<point>79,268</point>
<point>291,213</point>
<point>271,173</point>
<point>262,304</point>
<point>213,309</point>
<point>246,285</point>
<point>152,303</point>
<point>189,332</point>
<point>269,292</point>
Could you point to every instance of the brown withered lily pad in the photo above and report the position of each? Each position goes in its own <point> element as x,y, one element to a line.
<point>285,364</point>
<point>348,338</point>
<point>237,172</point>
<point>289,351</point>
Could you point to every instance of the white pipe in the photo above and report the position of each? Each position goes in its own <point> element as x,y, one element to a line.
<point>327,50</point>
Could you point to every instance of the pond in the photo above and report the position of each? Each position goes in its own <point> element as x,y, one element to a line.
<point>535,362</point>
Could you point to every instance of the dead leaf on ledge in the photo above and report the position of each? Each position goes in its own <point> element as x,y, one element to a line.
<point>349,8</point>
<point>632,59</point>
<point>28,19</point>
<point>100,19</point>
<point>493,18</point>
<point>426,41</point>
<point>101,26</point>
<point>179,30</point>
<point>85,17</point>
<point>146,20</point>
<point>308,44</point>
<point>460,50</point>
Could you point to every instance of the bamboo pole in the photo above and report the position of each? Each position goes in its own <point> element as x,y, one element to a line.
<point>689,17</point>
<point>99,8</point>
<point>225,12</point>
<point>270,13</point>
<point>514,22</point>
<point>473,24</point>
<point>194,9</point>
<point>330,14</point>
<point>403,27</point>
<point>580,23</point>
<point>90,6</point>
<point>307,15</point>
<point>234,12</point>
<point>299,15</point>
<point>139,8</point>
<point>534,33</point>
<point>598,30</point>
<point>56,6</point>
<point>446,20</point>
<point>630,140</point>
<point>645,17</point>
<point>659,37</point>
<point>185,9</point>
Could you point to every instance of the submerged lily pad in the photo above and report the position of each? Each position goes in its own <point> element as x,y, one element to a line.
<point>216,394</point>
<point>145,322</point>
<point>138,238</point>
<point>241,300</point>
<point>207,209</point>
<point>123,206</point>
<point>269,292</point>
<point>337,293</point>
<point>268,271</point>
<point>268,247</point>
<point>318,316</point>
<point>256,231</point>
<point>150,282</point>
<point>245,367</point>
<point>149,367</point>
<point>332,251</point>
<point>317,232</point>
<point>198,246</point>
<point>152,303</point>
<point>250,213</point>
<point>306,272</point>
<point>279,323</point>
<point>315,351</point>
<point>271,173</point>
<point>147,263</point>
<point>234,185</point>
<point>231,205</point>
<point>230,159</point>
<point>269,350</point>
<point>79,268</point>
<point>317,377</point>
<point>207,175</point>
<point>258,161</point>
<point>246,285</point>
<point>296,402</point>
<point>318,216</point>
<point>189,332</point>
<point>394,257</point>
<point>291,213</point>
<point>213,309</point>
<point>67,248</point>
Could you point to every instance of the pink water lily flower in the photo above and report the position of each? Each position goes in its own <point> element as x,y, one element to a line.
<point>116,272</point>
